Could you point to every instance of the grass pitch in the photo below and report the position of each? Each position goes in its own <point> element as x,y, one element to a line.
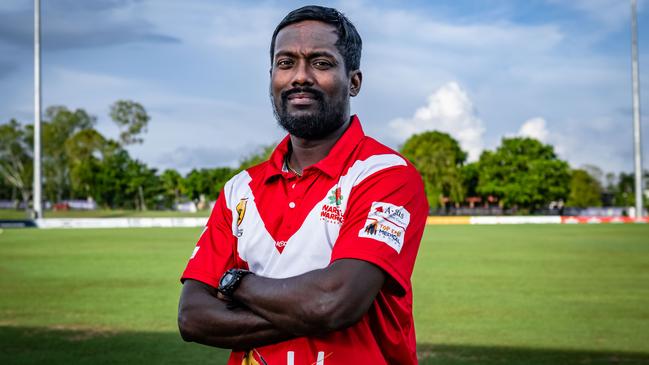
<point>483,295</point>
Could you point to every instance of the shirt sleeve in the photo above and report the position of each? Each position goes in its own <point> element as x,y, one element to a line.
<point>384,222</point>
<point>215,251</point>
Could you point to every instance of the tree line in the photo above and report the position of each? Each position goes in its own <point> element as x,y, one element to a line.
<point>79,162</point>
<point>521,173</point>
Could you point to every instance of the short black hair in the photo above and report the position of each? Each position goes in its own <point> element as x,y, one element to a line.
<point>349,42</point>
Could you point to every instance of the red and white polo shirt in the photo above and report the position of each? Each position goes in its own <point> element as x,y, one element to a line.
<point>363,201</point>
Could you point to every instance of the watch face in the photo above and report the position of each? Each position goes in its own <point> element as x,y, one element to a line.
<point>227,279</point>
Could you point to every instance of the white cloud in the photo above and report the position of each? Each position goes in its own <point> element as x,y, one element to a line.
<point>535,128</point>
<point>449,110</point>
<point>594,143</point>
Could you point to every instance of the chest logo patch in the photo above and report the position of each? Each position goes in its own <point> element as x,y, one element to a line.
<point>331,212</point>
<point>386,223</point>
<point>336,197</point>
<point>241,213</point>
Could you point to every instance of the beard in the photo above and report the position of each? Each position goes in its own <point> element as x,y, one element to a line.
<point>327,118</point>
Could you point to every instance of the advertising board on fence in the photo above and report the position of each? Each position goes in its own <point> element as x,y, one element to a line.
<point>120,222</point>
<point>201,221</point>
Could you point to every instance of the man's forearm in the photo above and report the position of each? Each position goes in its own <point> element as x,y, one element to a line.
<point>288,303</point>
<point>316,302</point>
<point>204,319</point>
<point>237,329</point>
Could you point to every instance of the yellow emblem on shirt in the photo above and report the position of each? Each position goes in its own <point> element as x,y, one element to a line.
<point>249,359</point>
<point>241,210</point>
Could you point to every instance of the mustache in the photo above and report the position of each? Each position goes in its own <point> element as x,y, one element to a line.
<point>317,94</point>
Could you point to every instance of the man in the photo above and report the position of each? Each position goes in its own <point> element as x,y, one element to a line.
<point>312,251</point>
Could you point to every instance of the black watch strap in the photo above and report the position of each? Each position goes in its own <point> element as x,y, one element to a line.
<point>230,281</point>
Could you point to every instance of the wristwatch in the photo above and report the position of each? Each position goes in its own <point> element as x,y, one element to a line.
<point>230,281</point>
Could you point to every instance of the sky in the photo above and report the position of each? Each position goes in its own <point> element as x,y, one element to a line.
<point>480,70</point>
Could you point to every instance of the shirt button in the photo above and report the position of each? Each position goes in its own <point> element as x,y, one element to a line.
<point>293,186</point>
<point>291,205</point>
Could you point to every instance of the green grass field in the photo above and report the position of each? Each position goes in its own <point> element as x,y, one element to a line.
<point>483,295</point>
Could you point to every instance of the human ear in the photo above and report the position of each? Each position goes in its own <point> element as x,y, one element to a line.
<point>356,79</point>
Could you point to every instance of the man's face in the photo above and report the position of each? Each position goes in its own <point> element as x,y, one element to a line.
<point>309,87</point>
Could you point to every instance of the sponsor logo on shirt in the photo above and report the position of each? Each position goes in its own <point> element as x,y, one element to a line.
<point>279,245</point>
<point>371,228</point>
<point>331,212</point>
<point>241,213</point>
<point>336,197</point>
<point>386,223</point>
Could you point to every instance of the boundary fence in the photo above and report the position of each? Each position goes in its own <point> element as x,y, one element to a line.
<point>49,223</point>
<point>550,219</point>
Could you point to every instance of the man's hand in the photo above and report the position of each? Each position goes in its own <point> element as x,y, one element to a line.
<point>316,302</point>
<point>204,318</point>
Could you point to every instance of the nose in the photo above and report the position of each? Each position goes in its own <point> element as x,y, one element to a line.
<point>303,75</point>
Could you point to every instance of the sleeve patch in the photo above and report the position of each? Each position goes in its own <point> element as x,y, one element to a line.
<point>386,223</point>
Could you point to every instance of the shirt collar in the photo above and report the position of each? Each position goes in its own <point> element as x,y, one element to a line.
<point>332,164</point>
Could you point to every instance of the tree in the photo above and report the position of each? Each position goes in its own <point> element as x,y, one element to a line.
<point>85,154</point>
<point>439,159</point>
<point>260,155</point>
<point>625,190</point>
<point>219,176</point>
<point>171,182</point>
<point>585,190</point>
<point>78,161</point>
<point>118,181</point>
<point>206,182</point>
<point>470,178</point>
<point>132,120</point>
<point>523,172</point>
<point>595,172</point>
<point>109,180</point>
<point>61,124</point>
<point>611,182</point>
<point>142,185</point>
<point>622,188</point>
<point>7,191</point>
<point>16,161</point>
<point>196,183</point>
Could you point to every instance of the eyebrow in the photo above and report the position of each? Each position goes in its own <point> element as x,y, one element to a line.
<point>310,55</point>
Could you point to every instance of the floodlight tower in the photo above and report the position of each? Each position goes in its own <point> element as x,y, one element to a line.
<point>637,139</point>
<point>38,200</point>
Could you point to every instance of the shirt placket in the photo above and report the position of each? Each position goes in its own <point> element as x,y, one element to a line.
<point>296,188</point>
<point>291,206</point>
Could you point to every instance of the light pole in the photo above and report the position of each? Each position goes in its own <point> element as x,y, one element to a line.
<point>38,200</point>
<point>637,139</point>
